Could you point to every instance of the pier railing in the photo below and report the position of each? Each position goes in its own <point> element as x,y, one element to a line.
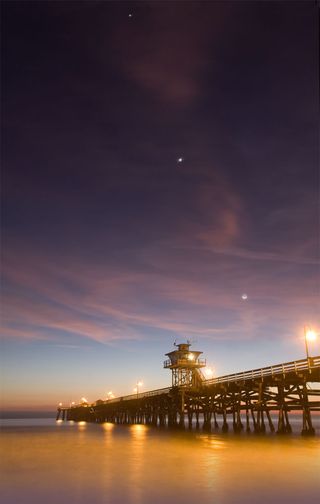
<point>139,395</point>
<point>269,371</point>
<point>276,370</point>
<point>248,396</point>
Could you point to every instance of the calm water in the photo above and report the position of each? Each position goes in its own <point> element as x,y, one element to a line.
<point>47,462</point>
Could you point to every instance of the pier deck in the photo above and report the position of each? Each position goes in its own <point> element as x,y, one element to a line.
<point>252,395</point>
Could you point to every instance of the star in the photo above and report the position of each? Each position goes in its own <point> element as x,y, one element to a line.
<point>180,160</point>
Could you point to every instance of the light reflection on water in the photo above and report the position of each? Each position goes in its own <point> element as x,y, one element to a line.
<point>112,464</point>
<point>107,426</point>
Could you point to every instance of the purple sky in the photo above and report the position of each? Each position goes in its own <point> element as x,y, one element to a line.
<point>112,249</point>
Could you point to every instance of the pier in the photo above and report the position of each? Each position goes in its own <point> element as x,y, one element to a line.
<point>242,401</point>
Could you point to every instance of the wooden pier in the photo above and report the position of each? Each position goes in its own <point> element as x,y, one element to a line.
<point>241,401</point>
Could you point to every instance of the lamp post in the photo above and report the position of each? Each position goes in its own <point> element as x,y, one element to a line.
<point>309,335</point>
<point>136,389</point>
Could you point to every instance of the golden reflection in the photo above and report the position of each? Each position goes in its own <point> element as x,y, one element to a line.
<point>138,431</point>
<point>212,442</point>
<point>145,466</point>
<point>216,444</point>
<point>108,426</point>
<point>210,459</point>
<point>137,461</point>
<point>59,421</point>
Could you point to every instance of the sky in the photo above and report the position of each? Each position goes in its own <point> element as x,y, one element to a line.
<point>160,160</point>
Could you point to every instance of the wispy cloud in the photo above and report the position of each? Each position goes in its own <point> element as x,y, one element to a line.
<point>186,278</point>
<point>174,293</point>
<point>167,57</point>
<point>262,255</point>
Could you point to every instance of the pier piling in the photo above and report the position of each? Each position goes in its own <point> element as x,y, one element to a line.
<point>198,402</point>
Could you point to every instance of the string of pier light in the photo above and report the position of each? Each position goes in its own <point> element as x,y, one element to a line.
<point>208,372</point>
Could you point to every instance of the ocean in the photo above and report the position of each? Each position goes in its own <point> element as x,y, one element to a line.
<point>48,462</point>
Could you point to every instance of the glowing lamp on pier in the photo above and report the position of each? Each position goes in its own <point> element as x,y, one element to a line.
<point>208,372</point>
<point>136,388</point>
<point>309,336</point>
<point>185,366</point>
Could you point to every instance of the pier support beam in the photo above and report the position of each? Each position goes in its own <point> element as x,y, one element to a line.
<point>271,426</point>
<point>225,426</point>
<point>254,394</point>
<point>284,426</point>
<point>181,410</point>
<point>216,425</point>
<point>307,427</point>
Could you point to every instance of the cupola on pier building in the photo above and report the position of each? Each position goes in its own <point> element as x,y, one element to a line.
<point>185,366</point>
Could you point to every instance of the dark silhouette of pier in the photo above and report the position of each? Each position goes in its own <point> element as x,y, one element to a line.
<point>243,400</point>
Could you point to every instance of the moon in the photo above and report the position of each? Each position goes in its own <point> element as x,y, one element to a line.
<point>244,297</point>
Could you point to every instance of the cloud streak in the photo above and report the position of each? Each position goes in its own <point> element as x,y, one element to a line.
<point>184,280</point>
<point>46,300</point>
<point>168,57</point>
